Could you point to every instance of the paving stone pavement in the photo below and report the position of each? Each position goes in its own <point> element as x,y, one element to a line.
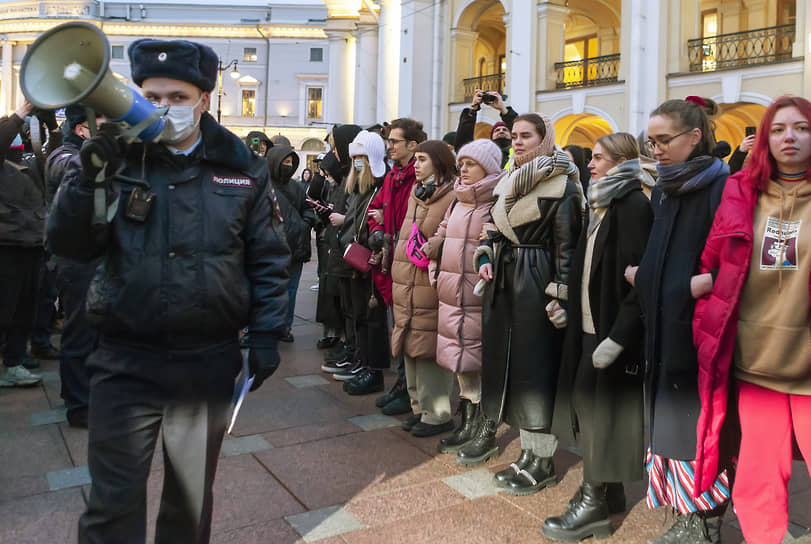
<point>307,463</point>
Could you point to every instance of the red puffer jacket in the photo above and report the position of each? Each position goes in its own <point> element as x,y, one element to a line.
<point>727,255</point>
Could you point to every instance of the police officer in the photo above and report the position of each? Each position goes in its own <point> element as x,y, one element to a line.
<point>194,252</point>
<point>79,338</point>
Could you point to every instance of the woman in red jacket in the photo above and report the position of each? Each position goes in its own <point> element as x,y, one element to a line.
<point>755,324</point>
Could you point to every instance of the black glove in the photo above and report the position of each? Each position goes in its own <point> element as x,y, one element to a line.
<point>102,151</point>
<point>376,241</point>
<point>263,358</point>
<point>47,118</point>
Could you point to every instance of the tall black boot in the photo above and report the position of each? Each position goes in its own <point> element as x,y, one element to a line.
<point>585,516</point>
<point>465,432</point>
<point>482,447</point>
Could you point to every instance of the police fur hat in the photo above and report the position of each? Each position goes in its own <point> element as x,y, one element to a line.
<point>183,60</point>
<point>75,115</point>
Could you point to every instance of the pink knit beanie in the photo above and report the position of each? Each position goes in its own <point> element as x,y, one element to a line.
<point>484,152</point>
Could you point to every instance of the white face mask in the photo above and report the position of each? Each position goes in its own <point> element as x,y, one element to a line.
<point>180,123</point>
<point>358,164</point>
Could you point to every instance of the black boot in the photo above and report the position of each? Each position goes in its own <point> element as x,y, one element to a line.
<point>482,447</point>
<point>465,432</point>
<point>585,516</point>
<point>396,390</point>
<point>537,474</point>
<point>696,528</point>
<point>368,380</point>
<point>504,476</point>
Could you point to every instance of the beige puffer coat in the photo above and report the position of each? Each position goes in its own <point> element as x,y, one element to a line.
<point>415,300</point>
<point>459,340</point>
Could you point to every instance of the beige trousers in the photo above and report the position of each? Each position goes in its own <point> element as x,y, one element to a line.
<point>470,386</point>
<point>429,388</point>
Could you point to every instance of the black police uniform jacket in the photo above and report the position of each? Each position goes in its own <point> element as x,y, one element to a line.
<point>209,258</point>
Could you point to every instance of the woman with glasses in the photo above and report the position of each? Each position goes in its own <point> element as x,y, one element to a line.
<point>414,299</point>
<point>459,342</point>
<point>687,192</point>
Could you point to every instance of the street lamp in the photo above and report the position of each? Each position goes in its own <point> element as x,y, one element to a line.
<point>234,75</point>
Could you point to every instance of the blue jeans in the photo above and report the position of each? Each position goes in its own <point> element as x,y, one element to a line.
<point>292,287</point>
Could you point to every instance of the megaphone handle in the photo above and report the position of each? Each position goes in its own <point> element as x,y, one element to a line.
<point>91,121</point>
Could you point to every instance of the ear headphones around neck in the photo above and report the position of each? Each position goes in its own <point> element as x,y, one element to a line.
<point>426,189</point>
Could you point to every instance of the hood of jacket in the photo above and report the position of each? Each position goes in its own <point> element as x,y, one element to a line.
<point>343,135</point>
<point>275,157</point>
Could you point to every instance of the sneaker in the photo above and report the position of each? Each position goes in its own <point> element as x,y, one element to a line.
<point>348,373</point>
<point>314,287</point>
<point>366,382</point>
<point>18,376</point>
<point>335,367</point>
<point>29,363</point>
<point>339,353</point>
<point>48,353</point>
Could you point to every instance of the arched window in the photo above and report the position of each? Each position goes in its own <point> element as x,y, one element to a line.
<point>312,145</point>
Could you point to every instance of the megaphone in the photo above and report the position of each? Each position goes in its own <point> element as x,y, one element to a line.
<point>69,64</point>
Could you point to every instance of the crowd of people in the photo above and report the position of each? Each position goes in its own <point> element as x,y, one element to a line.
<point>636,302</point>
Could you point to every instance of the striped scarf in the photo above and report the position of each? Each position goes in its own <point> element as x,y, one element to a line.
<point>620,180</point>
<point>524,179</point>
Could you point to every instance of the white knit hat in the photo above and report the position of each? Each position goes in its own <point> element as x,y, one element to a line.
<point>484,152</point>
<point>370,144</point>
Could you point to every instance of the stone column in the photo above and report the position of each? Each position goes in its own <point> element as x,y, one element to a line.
<point>388,60</point>
<point>7,104</point>
<point>642,63</point>
<point>802,44</point>
<point>608,41</point>
<point>551,40</point>
<point>366,75</point>
<point>341,100</point>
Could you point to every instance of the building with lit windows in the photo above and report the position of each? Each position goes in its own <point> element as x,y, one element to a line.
<point>274,54</point>
<point>595,66</point>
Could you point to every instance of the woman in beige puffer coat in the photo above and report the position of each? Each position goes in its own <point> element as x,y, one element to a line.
<point>459,341</point>
<point>415,301</point>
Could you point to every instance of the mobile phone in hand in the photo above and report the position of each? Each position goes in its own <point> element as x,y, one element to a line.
<point>751,131</point>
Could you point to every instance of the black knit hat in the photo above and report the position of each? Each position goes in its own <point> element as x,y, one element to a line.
<point>183,60</point>
<point>75,115</point>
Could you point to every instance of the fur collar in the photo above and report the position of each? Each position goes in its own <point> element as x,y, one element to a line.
<point>526,209</point>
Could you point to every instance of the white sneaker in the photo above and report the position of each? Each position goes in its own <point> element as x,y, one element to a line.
<point>314,287</point>
<point>18,376</point>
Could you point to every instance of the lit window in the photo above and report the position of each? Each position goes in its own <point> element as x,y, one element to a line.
<point>248,103</point>
<point>249,54</point>
<point>316,54</point>
<point>117,52</point>
<point>314,102</point>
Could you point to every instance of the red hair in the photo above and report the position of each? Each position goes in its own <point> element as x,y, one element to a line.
<point>762,166</point>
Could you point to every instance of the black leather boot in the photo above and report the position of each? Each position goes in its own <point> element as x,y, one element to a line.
<point>396,390</point>
<point>585,516</point>
<point>537,474</point>
<point>369,380</point>
<point>615,497</point>
<point>482,447</point>
<point>696,528</point>
<point>504,476</point>
<point>465,432</point>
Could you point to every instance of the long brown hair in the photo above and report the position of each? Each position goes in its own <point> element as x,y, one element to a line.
<point>687,116</point>
<point>442,159</point>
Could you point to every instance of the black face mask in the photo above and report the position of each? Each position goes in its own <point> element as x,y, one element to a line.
<point>286,171</point>
<point>503,142</point>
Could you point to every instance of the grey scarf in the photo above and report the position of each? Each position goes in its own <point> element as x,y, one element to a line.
<point>620,180</point>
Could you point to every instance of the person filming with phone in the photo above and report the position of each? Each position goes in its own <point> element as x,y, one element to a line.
<point>499,134</point>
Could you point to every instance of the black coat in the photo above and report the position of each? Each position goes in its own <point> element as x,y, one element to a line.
<point>603,408</point>
<point>298,216</point>
<point>56,164</point>
<point>466,130</point>
<point>680,228</point>
<point>22,191</point>
<point>209,259</point>
<point>520,348</point>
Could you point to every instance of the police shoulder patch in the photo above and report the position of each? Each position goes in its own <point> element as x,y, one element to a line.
<point>232,181</point>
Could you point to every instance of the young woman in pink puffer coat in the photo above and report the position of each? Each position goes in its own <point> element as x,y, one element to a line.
<point>459,334</point>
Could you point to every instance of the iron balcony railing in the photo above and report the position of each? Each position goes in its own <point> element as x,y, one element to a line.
<point>587,72</point>
<point>492,82</point>
<point>761,46</point>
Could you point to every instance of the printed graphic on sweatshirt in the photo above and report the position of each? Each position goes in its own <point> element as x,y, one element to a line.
<point>774,252</point>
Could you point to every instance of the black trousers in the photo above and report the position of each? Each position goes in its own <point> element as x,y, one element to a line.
<point>45,305</point>
<point>371,325</point>
<point>20,270</point>
<point>136,391</point>
<point>79,338</point>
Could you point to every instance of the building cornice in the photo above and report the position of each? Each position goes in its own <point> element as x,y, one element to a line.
<point>173,30</point>
<point>689,79</point>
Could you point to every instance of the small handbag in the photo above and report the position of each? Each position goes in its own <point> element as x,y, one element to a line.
<point>356,254</point>
<point>413,248</point>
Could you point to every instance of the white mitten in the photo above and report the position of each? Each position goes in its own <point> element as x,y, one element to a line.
<point>556,314</point>
<point>606,353</point>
